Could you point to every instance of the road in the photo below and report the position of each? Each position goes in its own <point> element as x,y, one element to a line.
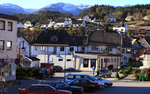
<point>124,86</point>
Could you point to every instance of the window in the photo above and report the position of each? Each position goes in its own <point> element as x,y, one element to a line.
<point>121,29</point>
<point>2,25</point>
<point>111,60</point>
<point>108,60</point>
<point>42,48</point>
<point>114,60</point>
<point>83,49</point>
<point>1,45</point>
<point>36,48</point>
<point>71,77</point>
<point>68,59</point>
<point>85,63</point>
<point>37,88</point>
<point>47,89</point>
<point>123,51</point>
<point>77,76</point>
<point>60,59</point>
<point>93,62</point>
<point>9,45</point>
<point>128,51</point>
<point>84,82</point>
<point>71,49</point>
<point>61,48</point>
<point>54,38</point>
<point>94,47</point>
<point>9,26</point>
<point>30,89</point>
<point>110,49</point>
<point>77,82</point>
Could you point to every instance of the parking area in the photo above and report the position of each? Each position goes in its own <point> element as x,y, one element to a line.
<point>123,86</point>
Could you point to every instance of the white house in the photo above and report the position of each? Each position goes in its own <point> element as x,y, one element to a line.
<point>120,27</point>
<point>27,24</point>
<point>146,58</point>
<point>111,18</point>
<point>78,23</point>
<point>20,25</point>
<point>89,18</point>
<point>100,46</point>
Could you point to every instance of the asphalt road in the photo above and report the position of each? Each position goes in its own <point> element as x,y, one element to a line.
<point>124,86</point>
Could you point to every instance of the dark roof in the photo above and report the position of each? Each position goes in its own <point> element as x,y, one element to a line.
<point>62,36</point>
<point>144,27</point>
<point>77,22</point>
<point>34,58</point>
<point>141,43</point>
<point>111,16</point>
<point>45,22</point>
<point>126,42</point>
<point>9,17</point>
<point>119,24</point>
<point>60,21</point>
<point>80,40</point>
<point>104,37</point>
<point>147,52</point>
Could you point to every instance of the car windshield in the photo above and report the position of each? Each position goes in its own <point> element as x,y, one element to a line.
<point>102,70</point>
<point>97,78</point>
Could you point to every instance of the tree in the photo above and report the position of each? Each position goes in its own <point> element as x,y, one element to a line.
<point>129,32</point>
<point>119,14</point>
<point>148,12</point>
<point>98,9</point>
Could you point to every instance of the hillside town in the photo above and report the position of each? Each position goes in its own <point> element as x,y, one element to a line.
<point>75,45</point>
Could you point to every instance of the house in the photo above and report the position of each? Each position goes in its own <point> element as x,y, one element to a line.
<point>111,18</point>
<point>89,18</point>
<point>146,58</point>
<point>101,48</point>
<point>56,47</point>
<point>63,23</point>
<point>98,21</point>
<point>126,52</point>
<point>78,23</point>
<point>120,27</point>
<point>147,17</point>
<point>143,30</point>
<point>48,24</point>
<point>27,24</point>
<point>8,52</point>
<point>30,62</point>
<point>128,18</point>
<point>20,25</point>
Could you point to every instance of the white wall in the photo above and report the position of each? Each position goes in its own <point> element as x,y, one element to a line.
<point>125,56</point>
<point>35,64</point>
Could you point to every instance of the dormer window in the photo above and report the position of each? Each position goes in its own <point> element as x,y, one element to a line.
<point>54,38</point>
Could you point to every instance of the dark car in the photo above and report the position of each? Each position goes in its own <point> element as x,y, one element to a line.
<point>86,84</point>
<point>60,85</point>
<point>105,72</point>
<point>44,72</point>
<point>57,68</point>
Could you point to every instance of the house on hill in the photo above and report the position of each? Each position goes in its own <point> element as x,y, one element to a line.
<point>120,27</point>
<point>143,30</point>
<point>110,18</point>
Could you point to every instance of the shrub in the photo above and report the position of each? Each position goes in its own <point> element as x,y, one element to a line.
<point>125,72</point>
<point>129,70</point>
<point>145,71</point>
<point>136,76</point>
<point>120,71</point>
<point>117,75</point>
<point>137,71</point>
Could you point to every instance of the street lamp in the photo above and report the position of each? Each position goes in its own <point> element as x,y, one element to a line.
<point>23,48</point>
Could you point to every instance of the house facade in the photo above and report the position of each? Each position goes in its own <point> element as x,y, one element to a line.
<point>27,24</point>
<point>78,23</point>
<point>101,50</point>
<point>8,52</point>
<point>143,30</point>
<point>120,27</point>
<point>146,58</point>
<point>111,18</point>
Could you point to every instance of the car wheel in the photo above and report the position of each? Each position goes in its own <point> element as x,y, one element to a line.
<point>75,92</point>
<point>106,85</point>
<point>91,89</point>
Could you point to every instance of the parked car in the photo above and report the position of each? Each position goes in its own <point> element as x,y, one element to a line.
<point>86,84</point>
<point>61,85</point>
<point>107,83</point>
<point>42,89</point>
<point>69,77</point>
<point>57,68</point>
<point>105,73</point>
<point>44,71</point>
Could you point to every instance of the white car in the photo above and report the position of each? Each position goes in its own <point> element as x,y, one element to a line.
<point>107,83</point>
<point>69,77</point>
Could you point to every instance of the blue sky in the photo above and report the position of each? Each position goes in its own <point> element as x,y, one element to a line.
<point>43,3</point>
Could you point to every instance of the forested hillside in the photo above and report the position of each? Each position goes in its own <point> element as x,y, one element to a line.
<point>42,16</point>
<point>98,11</point>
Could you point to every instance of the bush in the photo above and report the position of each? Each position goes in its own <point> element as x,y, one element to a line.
<point>145,71</point>
<point>120,71</point>
<point>137,71</point>
<point>125,72</point>
<point>117,75</point>
<point>129,70</point>
<point>136,76</point>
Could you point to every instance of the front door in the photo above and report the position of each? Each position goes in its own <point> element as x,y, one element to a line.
<point>55,50</point>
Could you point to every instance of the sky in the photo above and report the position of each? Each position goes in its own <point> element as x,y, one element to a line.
<point>42,3</point>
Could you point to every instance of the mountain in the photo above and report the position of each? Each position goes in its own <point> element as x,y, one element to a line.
<point>125,5</point>
<point>10,9</point>
<point>65,8</point>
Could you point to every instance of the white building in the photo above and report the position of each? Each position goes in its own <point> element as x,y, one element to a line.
<point>120,27</point>
<point>111,18</point>
<point>8,52</point>
<point>27,24</point>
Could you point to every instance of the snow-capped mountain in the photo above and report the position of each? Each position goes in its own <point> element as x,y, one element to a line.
<point>65,8</point>
<point>10,9</point>
<point>125,5</point>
